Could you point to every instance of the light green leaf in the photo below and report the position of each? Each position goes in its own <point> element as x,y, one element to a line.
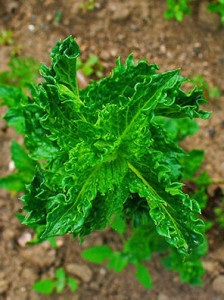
<point>117,262</point>
<point>12,182</point>
<point>97,254</point>
<point>45,286</point>
<point>25,170</point>
<point>60,274</point>
<point>118,224</point>
<point>15,118</point>
<point>60,280</point>
<point>21,158</point>
<point>142,274</point>
<point>72,283</point>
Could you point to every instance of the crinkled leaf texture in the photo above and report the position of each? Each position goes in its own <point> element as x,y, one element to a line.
<point>99,147</point>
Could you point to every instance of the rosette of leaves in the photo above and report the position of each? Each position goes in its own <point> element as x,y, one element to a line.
<point>101,151</point>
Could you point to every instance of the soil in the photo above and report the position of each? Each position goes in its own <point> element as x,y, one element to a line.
<point>112,29</point>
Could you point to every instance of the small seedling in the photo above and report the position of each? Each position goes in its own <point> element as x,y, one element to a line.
<point>91,66</point>
<point>177,9</point>
<point>6,37</point>
<point>87,5</point>
<point>49,286</point>
<point>58,16</point>
<point>211,92</point>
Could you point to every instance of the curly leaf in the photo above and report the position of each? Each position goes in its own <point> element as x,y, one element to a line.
<point>99,147</point>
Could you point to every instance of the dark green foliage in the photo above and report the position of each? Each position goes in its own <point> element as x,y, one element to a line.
<point>100,146</point>
<point>108,155</point>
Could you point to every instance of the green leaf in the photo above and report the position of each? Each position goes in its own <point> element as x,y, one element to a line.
<point>45,286</point>
<point>12,182</point>
<point>72,284</point>
<point>97,254</point>
<point>118,224</point>
<point>21,159</point>
<point>177,9</point>
<point>140,245</point>
<point>13,90</point>
<point>191,163</point>
<point>171,213</point>
<point>64,56</point>
<point>15,118</point>
<point>23,71</point>
<point>60,280</point>
<point>25,166</point>
<point>60,274</point>
<point>142,274</point>
<point>53,242</point>
<point>11,95</point>
<point>117,262</point>
<point>190,268</point>
<point>178,129</point>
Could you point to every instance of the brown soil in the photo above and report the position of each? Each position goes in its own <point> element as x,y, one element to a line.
<point>112,29</point>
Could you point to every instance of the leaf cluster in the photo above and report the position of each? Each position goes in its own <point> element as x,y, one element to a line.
<point>100,150</point>
<point>140,247</point>
<point>176,9</point>
<point>13,93</point>
<point>210,92</point>
<point>48,286</point>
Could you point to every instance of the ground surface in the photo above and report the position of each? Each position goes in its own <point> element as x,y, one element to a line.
<point>114,28</point>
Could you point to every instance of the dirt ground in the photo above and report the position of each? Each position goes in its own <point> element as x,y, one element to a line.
<point>112,29</point>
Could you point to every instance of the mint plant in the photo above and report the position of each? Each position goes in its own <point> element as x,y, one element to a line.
<point>108,154</point>
<point>139,247</point>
